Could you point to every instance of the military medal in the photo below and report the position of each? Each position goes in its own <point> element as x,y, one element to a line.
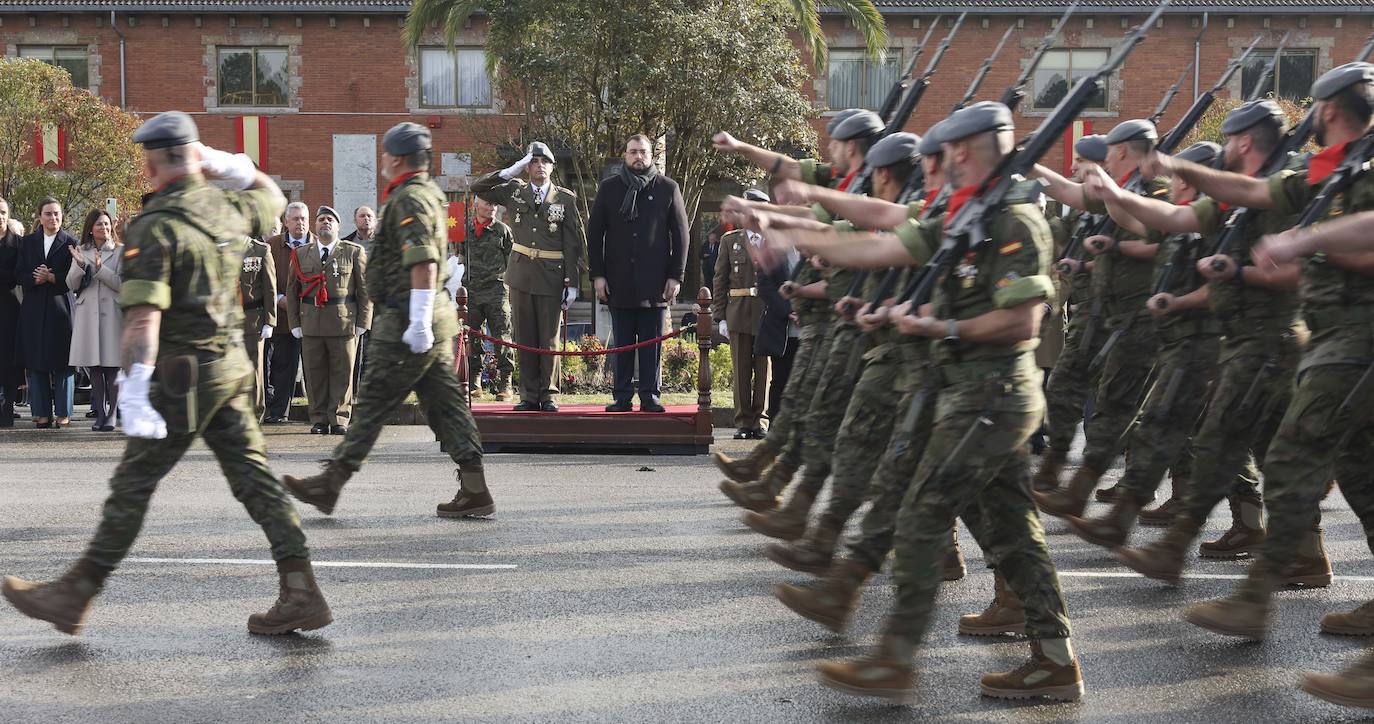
<point>335,264</point>
<point>556,213</point>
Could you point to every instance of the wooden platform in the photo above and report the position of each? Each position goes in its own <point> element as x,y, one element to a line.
<point>681,430</point>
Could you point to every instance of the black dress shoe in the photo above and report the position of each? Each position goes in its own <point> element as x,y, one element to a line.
<point>106,428</point>
<point>743,433</point>
<point>757,433</point>
<point>273,420</point>
<point>548,406</point>
<point>319,428</point>
<point>338,429</point>
<point>43,425</point>
<point>527,406</point>
<point>620,407</point>
<point>650,406</point>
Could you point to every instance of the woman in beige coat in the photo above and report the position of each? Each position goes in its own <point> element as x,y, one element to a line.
<point>97,321</point>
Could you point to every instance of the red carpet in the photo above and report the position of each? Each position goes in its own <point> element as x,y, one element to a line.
<point>489,408</point>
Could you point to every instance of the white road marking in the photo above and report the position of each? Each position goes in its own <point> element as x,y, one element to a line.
<point>1214,576</point>
<point>331,564</point>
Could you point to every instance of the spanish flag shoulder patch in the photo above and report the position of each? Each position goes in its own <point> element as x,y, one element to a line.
<point>407,220</point>
<point>1010,248</point>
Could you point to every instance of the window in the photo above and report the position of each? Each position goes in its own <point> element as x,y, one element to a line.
<point>1059,70</point>
<point>855,80</point>
<point>252,77</point>
<point>454,78</point>
<point>69,58</point>
<point>1293,76</point>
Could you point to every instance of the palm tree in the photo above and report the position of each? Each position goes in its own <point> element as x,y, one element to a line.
<point>452,16</point>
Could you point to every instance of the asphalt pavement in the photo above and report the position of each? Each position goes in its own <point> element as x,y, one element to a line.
<point>605,589</point>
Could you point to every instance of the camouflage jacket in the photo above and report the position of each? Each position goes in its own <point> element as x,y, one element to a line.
<point>412,228</point>
<point>486,256</point>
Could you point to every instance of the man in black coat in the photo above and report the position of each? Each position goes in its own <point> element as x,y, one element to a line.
<point>637,249</point>
<point>777,335</point>
<point>45,316</point>
<point>11,374</point>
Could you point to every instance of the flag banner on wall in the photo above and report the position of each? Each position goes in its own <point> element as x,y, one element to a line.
<point>1071,135</point>
<point>50,145</point>
<point>251,134</point>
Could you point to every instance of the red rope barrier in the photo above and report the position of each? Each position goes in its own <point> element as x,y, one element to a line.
<point>576,353</point>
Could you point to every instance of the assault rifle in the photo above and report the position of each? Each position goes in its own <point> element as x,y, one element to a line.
<point>1016,92</point>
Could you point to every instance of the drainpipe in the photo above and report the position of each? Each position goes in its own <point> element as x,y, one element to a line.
<point>1197,57</point>
<point>123,87</point>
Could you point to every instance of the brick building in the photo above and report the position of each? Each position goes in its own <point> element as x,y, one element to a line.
<point>310,85</point>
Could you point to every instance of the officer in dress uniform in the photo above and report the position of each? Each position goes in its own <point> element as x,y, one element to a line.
<point>258,292</point>
<point>736,307</point>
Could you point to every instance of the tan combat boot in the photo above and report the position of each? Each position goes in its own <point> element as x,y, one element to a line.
<point>830,600</point>
<point>63,603</point>
<point>473,499</point>
<point>503,391</point>
<point>953,566</point>
<point>1051,672</point>
<point>299,606</point>
<point>1245,613</point>
<point>1352,687</point>
<point>1112,529</point>
<point>320,490</point>
<point>751,466</point>
<point>1246,535</point>
<point>885,673</point>
<point>476,393</point>
<point>1072,499</point>
<point>1312,567</point>
<point>1051,465</point>
<point>813,553</point>
<point>1162,515</point>
<point>1005,615</point>
<point>1163,559</point>
<point>786,523</point>
<point>1359,622</point>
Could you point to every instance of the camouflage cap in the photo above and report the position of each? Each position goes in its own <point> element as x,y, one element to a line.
<point>166,130</point>
<point>863,123</point>
<point>1138,129</point>
<point>1091,148</point>
<point>1203,153</point>
<point>893,149</point>
<point>839,118</point>
<point>1250,113</point>
<point>406,138</point>
<point>1341,77</point>
<point>981,117</point>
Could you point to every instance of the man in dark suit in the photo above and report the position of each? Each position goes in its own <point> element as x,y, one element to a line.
<point>777,336</point>
<point>637,248</point>
<point>11,375</point>
<point>45,316</point>
<point>284,353</point>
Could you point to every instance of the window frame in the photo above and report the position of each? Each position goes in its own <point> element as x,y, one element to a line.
<point>457,78</point>
<point>53,49</point>
<point>1034,93</point>
<point>252,50</point>
<point>895,55</point>
<point>1264,55</point>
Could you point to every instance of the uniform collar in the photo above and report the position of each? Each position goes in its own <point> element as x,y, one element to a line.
<point>396,182</point>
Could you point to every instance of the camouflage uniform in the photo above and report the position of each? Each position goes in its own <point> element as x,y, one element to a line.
<point>183,255</point>
<point>1070,381</point>
<point>485,256</point>
<point>985,482</point>
<point>410,231</point>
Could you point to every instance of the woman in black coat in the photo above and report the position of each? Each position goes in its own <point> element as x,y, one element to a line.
<point>45,317</point>
<point>11,374</point>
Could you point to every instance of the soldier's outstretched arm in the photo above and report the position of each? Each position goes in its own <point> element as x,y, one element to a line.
<point>777,164</point>
<point>1152,213</point>
<point>1348,234</point>
<point>1064,190</point>
<point>1235,189</point>
<point>864,212</point>
<point>857,250</point>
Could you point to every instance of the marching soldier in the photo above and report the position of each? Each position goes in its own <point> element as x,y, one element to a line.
<point>412,337</point>
<point>545,269</point>
<point>182,317</point>
<point>737,308</point>
<point>328,309</point>
<point>258,292</point>
<point>487,254</point>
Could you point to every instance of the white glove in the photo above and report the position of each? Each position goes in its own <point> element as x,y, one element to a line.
<point>420,334</point>
<point>267,331</point>
<point>724,330</point>
<point>516,168</point>
<point>296,332</point>
<point>358,331</point>
<point>569,296</point>
<point>234,170</point>
<point>140,419</point>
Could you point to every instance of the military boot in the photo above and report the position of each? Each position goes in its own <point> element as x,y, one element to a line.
<point>1112,529</point>
<point>1163,559</point>
<point>1051,465</point>
<point>1162,515</point>
<point>1053,675</point>
<point>63,603</point>
<point>751,466</point>
<point>1244,614</point>
<point>1072,499</point>
<point>1312,567</point>
<point>953,566</point>
<point>813,553</point>
<point>1246,535</point>
<point>299,606</point>
<point>1352,687</point>
<point>830,600</point>
<point>503,391</point>
<point>320,490</point>
<point>787,522</point>
<point>885,673</point>
<point>476,392</point>
<point>1005,615</point>
<point>1359,622</point>
<point>1107,495</point>
<point>473,499</point>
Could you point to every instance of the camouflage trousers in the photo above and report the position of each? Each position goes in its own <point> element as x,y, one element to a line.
<point>981,474</point>
<point>1120,386</point>
<point>1159,437</point>
<point>834,387</point>
<point>495,312</point>
<point>1254,386</point>
<point>392,372</point>
<point>888,486</point>
<point>230,429</point>
<point>785,431</point>
<point>1070,380</point>
<point>866,429</point>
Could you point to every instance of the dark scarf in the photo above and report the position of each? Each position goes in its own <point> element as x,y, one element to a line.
<point>635,182</point>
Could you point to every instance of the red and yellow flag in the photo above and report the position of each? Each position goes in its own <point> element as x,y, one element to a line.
<point>1079,129</point>
<point>457,229</point>
<point>251,134</point>
<point>50,145</point>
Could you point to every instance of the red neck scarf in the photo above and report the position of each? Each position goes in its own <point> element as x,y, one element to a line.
<point>397,182</point>
<point>848,179</point>
<point>480,226</point>
<point>1322,165</point>
<point>930,199</point>
<point>1125,179</point>
<point>957,201</point>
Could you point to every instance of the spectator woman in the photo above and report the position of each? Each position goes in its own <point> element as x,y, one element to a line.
<point>45,317</point>
<point>97,323</point>
<point>11,374</point>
